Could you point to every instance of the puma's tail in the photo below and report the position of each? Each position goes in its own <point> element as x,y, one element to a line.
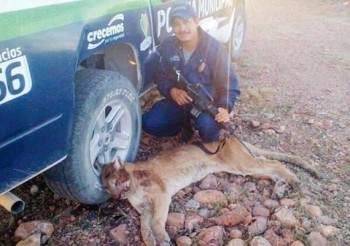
<point>297,161</point>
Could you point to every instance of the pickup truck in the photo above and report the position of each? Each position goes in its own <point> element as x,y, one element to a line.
<point>71,75</point>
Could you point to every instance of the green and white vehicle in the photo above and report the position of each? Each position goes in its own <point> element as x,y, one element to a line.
<point>71,74</point>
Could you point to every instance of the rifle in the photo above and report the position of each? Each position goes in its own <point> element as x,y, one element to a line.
<point>203,102</point>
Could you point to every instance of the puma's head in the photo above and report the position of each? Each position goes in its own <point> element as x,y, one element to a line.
<point>115,180</point>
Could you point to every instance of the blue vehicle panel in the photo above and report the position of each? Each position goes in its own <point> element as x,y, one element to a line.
<point>34,127</point>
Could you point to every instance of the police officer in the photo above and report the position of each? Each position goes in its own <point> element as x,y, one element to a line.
<point>201,59</point>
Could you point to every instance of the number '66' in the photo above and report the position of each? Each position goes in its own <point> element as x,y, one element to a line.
<point>15,83</point>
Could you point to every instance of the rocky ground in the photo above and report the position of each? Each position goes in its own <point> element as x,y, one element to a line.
<point>295,80</point>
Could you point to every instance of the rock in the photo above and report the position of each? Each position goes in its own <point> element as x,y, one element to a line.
<point>72,218</point>
<point>183,241</point>
<point>304,201</point>
<point>271,204</point>
<point>34,189</point>
<point>33,240</point>
<point>254,94</point>
<point>258,226</point>
<point>195,189</point>
<point>187,189</point>
<point>279,190</point>
<point>269,115</point>
<point>259,241</point>
<point>269,131</point>
<point>310,121</point>
<point>319,124</point>
<point>172,230</point>
<point>233,206</point>
<point>240,180</point>
<point>286,217</point>
<point>56,197</point>
<point>250,186</point>
<point>224,210</point>
<point>286,202</point>
<point>267,92</point>
<point>232,188</point>
<point>274,239</point>
<point>288,236</point>
<point>204,212</point>
<point>297,243</point>
<point>275,225</point>
<point>328,231</point>
<point>146,140</point>
<point>193,220</point>
<point>210,197</point>
<point>264,182</point>
<point>192,204</point>
<point>176,219</point>
<point>211,236</point>
<point>259,210</point>
<point>316,239</point>
<point>236,242</point>
<point>313,211</point>
<point>26,229</point>
<point>325,220</point>
<point>280,129</point>
<point>248,203</point>
<point>255,123</point>
<point>120,234</point>
<point>232,218</point>
<point>209,182</point>
<point>306,224</point>
<point>167,145</point>
<point>235,233</point>
<point>265,126</point>
<point>332,187</point>
<point>267,192</point>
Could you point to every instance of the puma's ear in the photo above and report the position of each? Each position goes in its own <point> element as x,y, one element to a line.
<point>118,164</point>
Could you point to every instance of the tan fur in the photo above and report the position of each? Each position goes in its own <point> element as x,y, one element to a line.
<point>150,185</point>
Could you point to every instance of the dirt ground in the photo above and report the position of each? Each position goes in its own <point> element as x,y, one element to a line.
<point>295,72</point>
<point>295,78</point>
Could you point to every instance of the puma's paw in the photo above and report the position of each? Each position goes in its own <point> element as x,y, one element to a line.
<point>149,240</point>
<point>164,240</point>
<point>294,182</point>
<point>290,178</point>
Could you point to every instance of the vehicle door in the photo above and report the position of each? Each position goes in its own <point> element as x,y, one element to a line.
<point>36,73</point>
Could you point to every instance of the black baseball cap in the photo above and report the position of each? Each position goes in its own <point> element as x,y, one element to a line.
<point>182,10</point>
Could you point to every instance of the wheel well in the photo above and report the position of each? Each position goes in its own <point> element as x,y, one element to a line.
<point>120,58</point>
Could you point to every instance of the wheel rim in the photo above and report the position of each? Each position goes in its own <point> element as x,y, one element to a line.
<point>111,136</point>
<point>238,33</point>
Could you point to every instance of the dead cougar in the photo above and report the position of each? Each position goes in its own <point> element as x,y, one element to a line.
<point>149,185</point>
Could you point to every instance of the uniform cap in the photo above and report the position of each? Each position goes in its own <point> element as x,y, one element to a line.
<point>182,10</point>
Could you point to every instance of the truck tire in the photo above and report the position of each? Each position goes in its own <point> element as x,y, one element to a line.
<point>107,124</point>
<point>238,31</point>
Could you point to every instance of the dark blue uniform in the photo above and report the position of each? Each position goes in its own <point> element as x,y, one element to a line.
<point>208,65</point>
